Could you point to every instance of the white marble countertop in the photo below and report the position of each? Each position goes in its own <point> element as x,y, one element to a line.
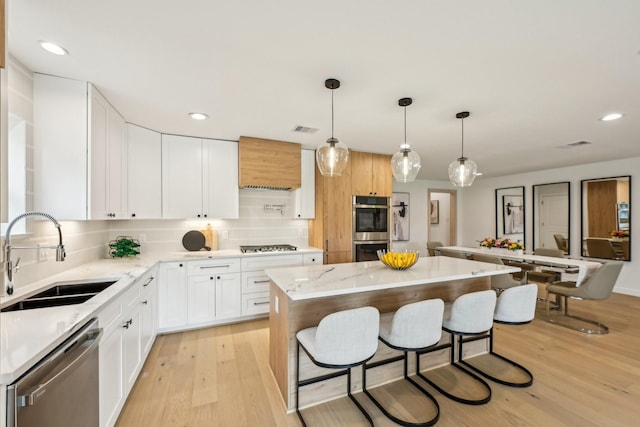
<point>318,281</point>
<point>27,336</point>
<point>584,267</point>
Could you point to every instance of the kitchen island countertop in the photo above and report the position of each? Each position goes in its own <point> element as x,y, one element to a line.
<point>320,281</point>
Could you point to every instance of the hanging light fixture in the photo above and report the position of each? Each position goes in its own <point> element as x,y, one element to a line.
<point>332,158</point>
<point>405,164</point>
<point>462,171</point>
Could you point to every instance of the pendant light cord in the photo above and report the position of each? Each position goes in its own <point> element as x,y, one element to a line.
<point>331,113</point>
<point>405,125</point>
<point>462,120</point>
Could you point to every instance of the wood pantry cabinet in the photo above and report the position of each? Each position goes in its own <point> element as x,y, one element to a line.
<point>199,178</point>
<point>370,174</point>
<point>331,227</point>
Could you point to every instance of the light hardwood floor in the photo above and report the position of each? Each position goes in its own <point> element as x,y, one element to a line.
<point>221,377</point>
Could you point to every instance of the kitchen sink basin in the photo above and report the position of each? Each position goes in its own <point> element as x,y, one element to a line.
<point>59,294</point>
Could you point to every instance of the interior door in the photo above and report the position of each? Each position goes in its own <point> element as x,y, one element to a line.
<point>554,218</point>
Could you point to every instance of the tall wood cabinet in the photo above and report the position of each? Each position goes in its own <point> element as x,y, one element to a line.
<point>331,230</point>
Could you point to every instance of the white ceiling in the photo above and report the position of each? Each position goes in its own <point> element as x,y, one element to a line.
<point>535,75</point>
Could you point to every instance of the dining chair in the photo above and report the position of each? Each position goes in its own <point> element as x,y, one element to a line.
<point>432,245</point>
<point>600,248</point>
<point>561,242</point>
<point>597,286</point>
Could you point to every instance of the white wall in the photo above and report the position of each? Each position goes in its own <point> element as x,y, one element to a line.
<point>441,232</point>
<point>477,212</point>
<point>418,211</point>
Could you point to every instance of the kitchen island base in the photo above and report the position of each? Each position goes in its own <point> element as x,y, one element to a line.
<point>288,316</point>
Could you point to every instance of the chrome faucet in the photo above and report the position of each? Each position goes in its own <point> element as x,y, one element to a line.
<point>7,248</point>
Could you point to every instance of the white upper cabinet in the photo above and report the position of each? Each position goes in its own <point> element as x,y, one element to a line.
<point>181,177</point>
<point>107,159</point>
<point>79,156</point>
<point>60,146</point>
<point>305,199</point>
<point>144,173</point>
<point>199,178</point>
<point>221,196</point>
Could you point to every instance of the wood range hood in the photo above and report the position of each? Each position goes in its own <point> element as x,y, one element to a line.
<point>268,164</point>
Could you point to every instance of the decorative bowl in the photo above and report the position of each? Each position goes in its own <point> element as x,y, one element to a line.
<point>398,260</point>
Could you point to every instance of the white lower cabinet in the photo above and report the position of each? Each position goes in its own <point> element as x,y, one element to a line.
<point>198,293</point>
<point>172,295</point>
<point>129,331</point>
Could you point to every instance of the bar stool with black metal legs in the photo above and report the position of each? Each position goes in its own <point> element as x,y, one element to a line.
<point>412,328</point>
<point>515,306</point>
<point>342,340</point>
<point>470,314</point>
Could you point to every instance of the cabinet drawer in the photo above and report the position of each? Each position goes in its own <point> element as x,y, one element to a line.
<point>311,259</point>
<point>110,316</point>
<point>256,303</point>
<point>255,281</point>
<point>255,263</point>
<point>130,297</point>
<point>213,266</point>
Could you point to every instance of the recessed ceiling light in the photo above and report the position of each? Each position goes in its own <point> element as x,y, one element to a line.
<point>53,48</point>
<point>612,116</point>
<point>198,116</point>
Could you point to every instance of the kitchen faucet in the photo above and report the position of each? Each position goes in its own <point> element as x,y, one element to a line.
<point>7,248</point>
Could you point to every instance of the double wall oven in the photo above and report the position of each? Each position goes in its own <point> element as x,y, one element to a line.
<point>371,226</point>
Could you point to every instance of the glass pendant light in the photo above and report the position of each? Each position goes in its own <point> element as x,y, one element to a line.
<point>405,164</point>
<point>332,158</point>
<point>462,171</point>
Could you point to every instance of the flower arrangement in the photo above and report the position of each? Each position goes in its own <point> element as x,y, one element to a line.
<point>512,245</point>
<point>619,233</point>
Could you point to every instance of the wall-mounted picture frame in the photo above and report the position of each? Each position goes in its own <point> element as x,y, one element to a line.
<point>513,214</point>
<point>400,217</point>
<point>434,212</point>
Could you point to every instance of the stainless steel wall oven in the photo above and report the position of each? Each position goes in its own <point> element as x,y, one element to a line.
<point>371,226</point>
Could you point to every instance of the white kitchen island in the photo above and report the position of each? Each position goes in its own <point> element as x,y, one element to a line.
<point>302,296</point>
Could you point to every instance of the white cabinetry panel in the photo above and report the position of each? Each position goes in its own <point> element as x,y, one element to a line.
<point>144,173</point>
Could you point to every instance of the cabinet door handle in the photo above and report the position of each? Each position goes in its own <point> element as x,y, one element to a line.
<point>326,245</point>
<point>149,280</point>
<point>145,302</point>
<point>204,267</point>
<point>218,277</point>
<point>262,281</point>
<point>133,215</point>
<point>180,265</point>
<point>261,303</point>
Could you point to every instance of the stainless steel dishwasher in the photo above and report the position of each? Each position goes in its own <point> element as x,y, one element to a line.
<point>62,389</point>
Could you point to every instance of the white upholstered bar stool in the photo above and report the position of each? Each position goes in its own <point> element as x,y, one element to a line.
<point>515,306</point>
<point>342,340</point>
<point>412,328</point>
<point>470,314</point>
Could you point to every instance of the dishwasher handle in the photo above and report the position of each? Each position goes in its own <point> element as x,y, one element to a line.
<point>90,344</point>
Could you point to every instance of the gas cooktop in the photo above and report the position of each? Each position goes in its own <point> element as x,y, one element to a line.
<point>267,248</point>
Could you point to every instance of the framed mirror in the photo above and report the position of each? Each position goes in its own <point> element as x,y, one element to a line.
<point>606,217</point>
<point>510,213</point>
<point>551,215</point>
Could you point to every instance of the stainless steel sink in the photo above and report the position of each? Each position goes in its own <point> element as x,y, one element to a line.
<point>64,293</point>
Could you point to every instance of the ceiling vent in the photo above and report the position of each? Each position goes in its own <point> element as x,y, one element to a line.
<point>305,129</point>
<point>575,144</point>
